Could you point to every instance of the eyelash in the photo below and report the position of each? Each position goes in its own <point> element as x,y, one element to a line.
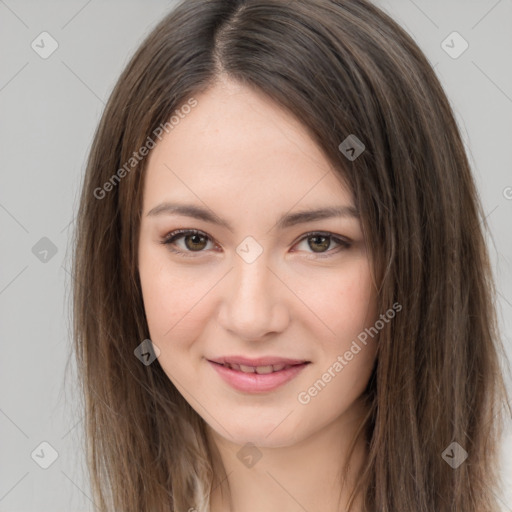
<point>180,233</point>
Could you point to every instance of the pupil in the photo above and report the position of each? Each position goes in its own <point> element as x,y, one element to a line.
<point>195,241</point>
<point>324,244</point>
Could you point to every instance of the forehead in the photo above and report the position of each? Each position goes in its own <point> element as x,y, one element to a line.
<point>238,145</point>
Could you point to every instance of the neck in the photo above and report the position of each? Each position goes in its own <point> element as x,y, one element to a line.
<point>307,475</point>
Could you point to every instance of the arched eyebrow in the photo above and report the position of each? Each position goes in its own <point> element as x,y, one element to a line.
<point>285,221</point>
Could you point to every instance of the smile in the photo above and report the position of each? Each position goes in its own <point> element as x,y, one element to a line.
<point>261,370</point>
<point>257,379</point>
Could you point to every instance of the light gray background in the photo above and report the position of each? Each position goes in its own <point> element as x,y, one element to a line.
<point>49,109</point>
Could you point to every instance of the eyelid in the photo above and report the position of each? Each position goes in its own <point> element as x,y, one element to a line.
<point>328,234</point>
<point>343,242</point>
<point>180,233</point>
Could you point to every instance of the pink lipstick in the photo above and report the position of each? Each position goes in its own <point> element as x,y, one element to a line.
<point>258,375</point>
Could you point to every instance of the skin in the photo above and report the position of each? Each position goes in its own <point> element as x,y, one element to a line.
<point>249,162</point>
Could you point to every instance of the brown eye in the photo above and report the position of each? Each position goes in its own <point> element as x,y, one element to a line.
<point>195,242</point>
<point>319,243</point>
<point>192,241</point>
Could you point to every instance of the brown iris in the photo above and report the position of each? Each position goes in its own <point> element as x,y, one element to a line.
<point>324,242</point>
<point>198,242</point>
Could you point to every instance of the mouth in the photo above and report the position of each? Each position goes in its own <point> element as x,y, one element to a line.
<point>260,370</point>
<point>257,375</point>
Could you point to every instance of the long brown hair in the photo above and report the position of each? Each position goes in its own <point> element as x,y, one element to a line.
<point>341,67</point>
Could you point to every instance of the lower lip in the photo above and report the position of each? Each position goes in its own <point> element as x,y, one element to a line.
<point>255,382</point>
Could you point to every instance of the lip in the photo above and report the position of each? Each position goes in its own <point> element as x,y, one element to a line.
<point>259,361</point>
<point>258,383</point>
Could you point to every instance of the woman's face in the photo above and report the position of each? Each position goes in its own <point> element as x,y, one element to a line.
<point>257,281</point>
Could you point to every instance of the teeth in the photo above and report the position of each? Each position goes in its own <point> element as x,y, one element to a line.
<point>247,369</point>
<point>260,370</point>
<point>264,369</point>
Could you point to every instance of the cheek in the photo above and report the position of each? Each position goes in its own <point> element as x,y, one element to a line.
<point>169,295</point>
<point>343,302</point>
<point>178,301</point>
<point>346,306</point>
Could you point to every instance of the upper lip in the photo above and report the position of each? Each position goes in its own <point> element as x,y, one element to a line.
<point>260,361</point>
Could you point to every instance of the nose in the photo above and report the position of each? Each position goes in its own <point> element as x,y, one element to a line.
<point>254,301</point>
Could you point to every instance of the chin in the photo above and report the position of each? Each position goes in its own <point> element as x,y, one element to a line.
<point>273,434</point>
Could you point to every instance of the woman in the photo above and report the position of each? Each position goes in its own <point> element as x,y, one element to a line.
<point>284,298</point>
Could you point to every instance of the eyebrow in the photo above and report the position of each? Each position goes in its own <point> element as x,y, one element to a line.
<point>286,220</point>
